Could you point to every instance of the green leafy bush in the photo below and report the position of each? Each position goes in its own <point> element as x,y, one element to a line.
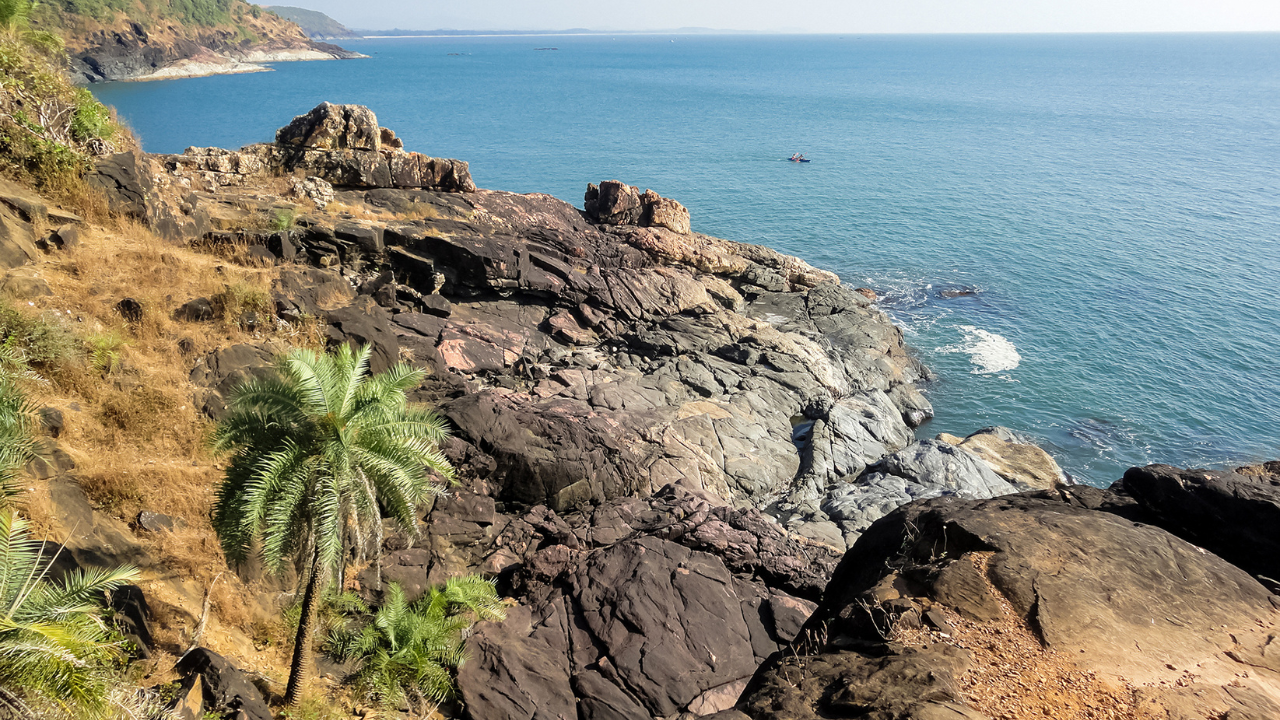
<point>283,219</point>
<point>103,351</point>
<point>407,653</point>
<point>203,12</point>
<point>41,342</point>
<point>49,128</point>
<point>91,119</point>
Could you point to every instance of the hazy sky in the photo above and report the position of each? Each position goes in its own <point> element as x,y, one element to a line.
<point>845,16</point>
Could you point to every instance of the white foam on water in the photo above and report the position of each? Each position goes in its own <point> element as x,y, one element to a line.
<point>990,353</point>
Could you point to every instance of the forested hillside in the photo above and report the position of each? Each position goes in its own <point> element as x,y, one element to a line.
<point>144,39</point>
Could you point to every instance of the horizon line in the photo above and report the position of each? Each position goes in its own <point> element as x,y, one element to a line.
<point>377,35</point>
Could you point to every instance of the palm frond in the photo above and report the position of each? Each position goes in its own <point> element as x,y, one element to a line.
<point>55,650</point>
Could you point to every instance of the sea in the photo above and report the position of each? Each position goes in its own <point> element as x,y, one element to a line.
<point>1079,234</point>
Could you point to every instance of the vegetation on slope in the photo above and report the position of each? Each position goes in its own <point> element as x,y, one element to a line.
<point>148,13</point>
<point>317,454</point>
<point>407,653</point>
<point>49,128</point>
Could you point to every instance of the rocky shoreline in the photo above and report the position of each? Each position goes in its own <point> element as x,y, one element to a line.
<point>132,53</point>
<point>693,464</point>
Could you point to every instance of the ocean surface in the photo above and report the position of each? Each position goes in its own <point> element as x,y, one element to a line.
<point>1108,205</point>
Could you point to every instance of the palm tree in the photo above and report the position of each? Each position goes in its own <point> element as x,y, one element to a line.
<point>54,646</point>
<point>18,444</point>
<point>319,450</point>
<point>408,651</point>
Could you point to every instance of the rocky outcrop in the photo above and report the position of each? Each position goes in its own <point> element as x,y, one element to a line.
<point>971,609</point>
<point>341,145</point>
<point>1233,514</point>
<point>857,493</point>
<point>616,203</point>
<point>225,690</point>
<point>589,360</point>
<point>22,215</point>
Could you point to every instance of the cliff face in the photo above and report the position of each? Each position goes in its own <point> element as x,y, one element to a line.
<point>142,43</point>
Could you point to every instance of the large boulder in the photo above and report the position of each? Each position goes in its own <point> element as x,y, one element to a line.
<point>17,241</point>
<point>613,203</point>
<point>920,471</point>
<point>663,212</point>
<point>616,203</point>
<point>365,323</point>
<point>124,183</point>
<point>220,372</point>
<point>1027,605</point>
<point>333,127</point>
<point>226,689</point>
<point>1233,514</point>
<point>941,465</point>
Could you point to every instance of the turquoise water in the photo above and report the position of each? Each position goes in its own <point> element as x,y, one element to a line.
<point>1114,200</point>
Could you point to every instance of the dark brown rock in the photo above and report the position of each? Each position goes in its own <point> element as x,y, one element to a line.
<point>195,310</point>
<point>641,628</point>
<point>1232,514</point>
<point>131,310</point>
<point>226,689</point>
<point>121,179</point>
<point>365,323</point>
<point>914,685</point>
<point>220,372</point>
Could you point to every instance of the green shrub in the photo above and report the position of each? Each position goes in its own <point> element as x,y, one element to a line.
<point>43,343</point>
<point>103,351</point>
<point>283,219</point>
<point>92,119</point>
<point>48,127</point>
<point>407,653</point>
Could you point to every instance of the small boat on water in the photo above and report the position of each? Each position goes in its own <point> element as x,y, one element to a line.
<point>798,158</point>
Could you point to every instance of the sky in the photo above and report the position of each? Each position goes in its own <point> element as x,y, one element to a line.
<point>833,16</point>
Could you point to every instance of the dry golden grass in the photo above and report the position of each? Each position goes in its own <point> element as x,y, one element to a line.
<point>420,211</point>
<point>364,212</point>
